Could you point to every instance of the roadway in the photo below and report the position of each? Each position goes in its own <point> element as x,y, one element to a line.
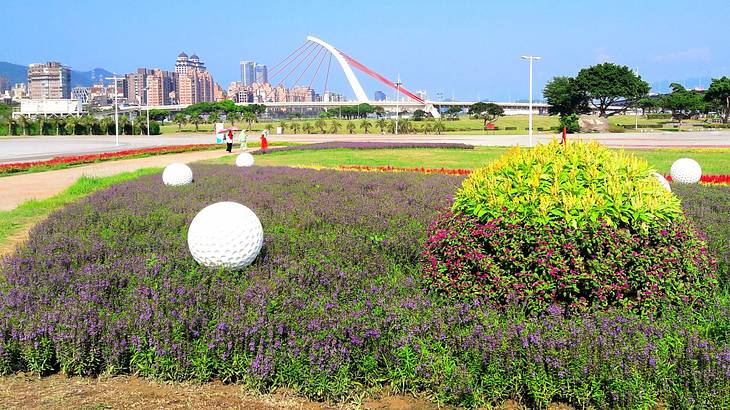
<point>15,149</point>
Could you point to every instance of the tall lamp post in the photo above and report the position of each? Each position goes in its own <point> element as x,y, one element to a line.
<point>116,106</point>
<point>147,103</point>
<point>397,103</point>
<point>531,58</point>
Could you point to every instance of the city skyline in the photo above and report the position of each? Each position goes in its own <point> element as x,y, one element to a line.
<point>478,58</point>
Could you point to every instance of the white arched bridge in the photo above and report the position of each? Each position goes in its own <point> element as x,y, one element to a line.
<point>309,60</point>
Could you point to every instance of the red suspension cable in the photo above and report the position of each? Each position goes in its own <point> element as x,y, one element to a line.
<point>290,54</point>
<point>309,45</point>
<point>379,77</point>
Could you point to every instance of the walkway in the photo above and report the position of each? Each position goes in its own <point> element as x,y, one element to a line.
<point>17,189</point>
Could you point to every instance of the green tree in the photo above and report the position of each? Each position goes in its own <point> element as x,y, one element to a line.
<point>486,111</point>
<point>419,115</point>
<point>11,125</point>
<point>452,113</point>
<point>439,127</point>
<point>365,125</point>
<point>24,122</point>
<point>648,104</point>
<point>141,123</point>
<point>564,97</point>
<point>250,117</point>
<point>335,126</point>
<point>427,128</point>
<point>682,102</point>
<point>123,123</point>
<point>351,127</point>
<point>180,120</point>
<point>214,118</point>
<point>233,117</point>
<point>283,125</point>
<point>106,123</point>
<point>606,84</point>
<point>70,125</point>
<point>295,127</point>
<point>307,128</point>
<point>196,119</point>
<point>382,123</point>
<point>321,125</point>
<point>719,95</point>
<point>41,122</point>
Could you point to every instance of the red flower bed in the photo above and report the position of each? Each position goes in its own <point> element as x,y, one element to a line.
<point>88,158</point>
<point>706,179</point>
<point>709,179</point>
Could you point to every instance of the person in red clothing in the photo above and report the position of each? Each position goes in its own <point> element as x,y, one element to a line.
<point>229,141</point>
<point>264,142</point>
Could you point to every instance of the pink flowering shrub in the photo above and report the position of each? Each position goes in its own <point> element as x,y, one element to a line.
<point>597,265</point>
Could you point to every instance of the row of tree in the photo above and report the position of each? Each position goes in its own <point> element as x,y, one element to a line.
<point>77,125</point>
<point>612,89</point>
<point>334,126</point>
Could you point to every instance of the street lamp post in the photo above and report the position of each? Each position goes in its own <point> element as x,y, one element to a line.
<point>116,106</point>
<point>147,103</point>
<point>397,103</point>
<point>531,58</point>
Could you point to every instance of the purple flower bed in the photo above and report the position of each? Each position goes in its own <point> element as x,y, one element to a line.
<point>332,306</point>
<point>365,145</point>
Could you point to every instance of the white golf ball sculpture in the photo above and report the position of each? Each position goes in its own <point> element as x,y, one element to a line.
<point>686,171</point>
<point>225,234</point>
<point>177,174</point>
<point>244,160</point>
<point>662,181</point>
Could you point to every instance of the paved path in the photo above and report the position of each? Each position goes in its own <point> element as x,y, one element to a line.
<point>17,189</point>
<point>35,148</point>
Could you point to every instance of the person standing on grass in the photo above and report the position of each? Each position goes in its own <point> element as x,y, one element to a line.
<point>229,141</point>
<point>243,139</point>
<point>264,141</point>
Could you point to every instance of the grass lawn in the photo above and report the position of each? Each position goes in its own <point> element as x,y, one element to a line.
<point>23,217</point>
<point>464,125</point>
<point>713,161</point>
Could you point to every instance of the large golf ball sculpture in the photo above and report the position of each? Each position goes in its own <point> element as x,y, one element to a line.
<point>686,171</point>
<point>244,160</point>
<point>662,181</point>
<point>225,234</point>
<point>177,174</point>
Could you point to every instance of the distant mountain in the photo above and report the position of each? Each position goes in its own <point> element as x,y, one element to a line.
<point>19,74</point>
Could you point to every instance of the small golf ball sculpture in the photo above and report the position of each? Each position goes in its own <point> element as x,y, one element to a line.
<point>662,181</point>
<point>686,171</point>
<point>244,160</point>
<point>177,174</point>
<point>225,234</point>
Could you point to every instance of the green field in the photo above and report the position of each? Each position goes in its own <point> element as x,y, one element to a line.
<point>464,125</point>
<point>713,161</point>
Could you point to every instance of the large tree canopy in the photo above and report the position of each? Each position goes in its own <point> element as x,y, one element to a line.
<point>682,102</point>
<point>564,97</point>
<point>486,111</point>
<point>607,84</point>
<point>719,95</point>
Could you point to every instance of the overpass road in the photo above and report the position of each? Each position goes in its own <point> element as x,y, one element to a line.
<point>35,148</point>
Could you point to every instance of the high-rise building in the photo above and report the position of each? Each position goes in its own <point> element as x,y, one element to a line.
<point>4,84</point>
<point>261,73</point>
<point>247,72</point>
<point>49,81</point>
<point>194,83</point>
<point>379,96</point>
<point>160,86</point>
<point>135,84</point>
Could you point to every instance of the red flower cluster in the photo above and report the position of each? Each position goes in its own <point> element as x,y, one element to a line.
<point>83,159</point>
<point>388,168</point>
<point>709,179</point>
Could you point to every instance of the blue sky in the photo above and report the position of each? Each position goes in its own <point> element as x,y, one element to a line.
<point>469,48</point>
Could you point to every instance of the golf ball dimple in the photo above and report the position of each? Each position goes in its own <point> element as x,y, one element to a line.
<point>244,160</point>
<point>686,171</point>
<point>177,174</point>
<point>662,181</point>
<point>225,234</point>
